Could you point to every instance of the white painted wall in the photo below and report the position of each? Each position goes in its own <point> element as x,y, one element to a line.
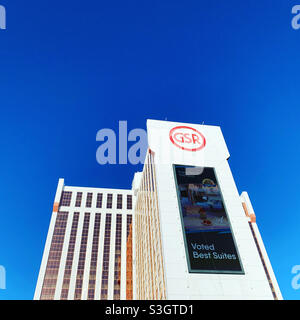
<point>179,282</point>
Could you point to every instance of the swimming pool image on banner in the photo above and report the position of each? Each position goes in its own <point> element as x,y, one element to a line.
<point>209,241</point>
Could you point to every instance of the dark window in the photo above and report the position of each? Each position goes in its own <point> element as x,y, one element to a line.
<point>99,200</point>
<point>129,288</point>
<point>66,198</point>
<point>82,253</point>
<point>105,267</point>
<point>93,266</point>
<point>78,199</point>
<point>89,198</point>
<point>119,201</point>
<point>109,201</point>
<point>129,202</point>
<point>53,262</point>
<point>117,274</point>
<point>69,262</point>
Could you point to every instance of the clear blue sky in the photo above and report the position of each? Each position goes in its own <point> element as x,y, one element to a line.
<point>70,68</point>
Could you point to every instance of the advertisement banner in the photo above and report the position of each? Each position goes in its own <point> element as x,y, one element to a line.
<point>210,245</point>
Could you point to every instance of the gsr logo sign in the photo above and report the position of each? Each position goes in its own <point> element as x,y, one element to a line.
<point>187,138</point>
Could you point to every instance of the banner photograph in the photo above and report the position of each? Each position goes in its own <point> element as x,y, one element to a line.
<point>210,246</point>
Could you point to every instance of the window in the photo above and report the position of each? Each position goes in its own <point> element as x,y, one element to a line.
<point>129,289</point>
<point>105,267</point>
<point>109,201</point>
<point>119,201</point>
<point>82,253</point>
<point>117,274</point>
<point>66,198</point>
<point>78,199</point>
<point>69,261</point>
<point>129,202</point>
<point>99,200</point>
<point>93,265</point>
<point>89,198</point>
<point>53,263</point>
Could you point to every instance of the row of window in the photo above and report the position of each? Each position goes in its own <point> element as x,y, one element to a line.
<point>52,267</point>
<point>54,257</point>
<point>93,265</point>
<point>149,260</point>
<point>82,254</point>
<point>69,262</point>
<point>129,282</point>
<point>117,272</point>
<point>105,267</point>
<point>66,198</point>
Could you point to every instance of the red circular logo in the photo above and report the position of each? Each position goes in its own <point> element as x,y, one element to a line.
<point>187,138</point>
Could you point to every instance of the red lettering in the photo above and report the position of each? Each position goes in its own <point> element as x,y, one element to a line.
<point>178,139</point>
<point>192,140</point>
<point>188,139</point>
<point>195,138</point>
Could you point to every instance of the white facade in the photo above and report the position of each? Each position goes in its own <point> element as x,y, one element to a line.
<point>161,243</point>
<point>180,284</point>
<point>71,209</point>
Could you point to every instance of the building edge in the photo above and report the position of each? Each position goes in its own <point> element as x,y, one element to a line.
<point>249,211</point>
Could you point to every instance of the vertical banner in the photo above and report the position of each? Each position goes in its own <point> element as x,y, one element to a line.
<point>210,246</point>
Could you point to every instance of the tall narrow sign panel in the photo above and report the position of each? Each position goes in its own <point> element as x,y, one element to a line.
<point>209,241</point>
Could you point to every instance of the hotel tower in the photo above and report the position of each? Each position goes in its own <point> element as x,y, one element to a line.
<point>181,232</point>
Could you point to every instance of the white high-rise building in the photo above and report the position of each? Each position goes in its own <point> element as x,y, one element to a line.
<point>88,251</point>
<point>195,236</point>
<point>182,232</point>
